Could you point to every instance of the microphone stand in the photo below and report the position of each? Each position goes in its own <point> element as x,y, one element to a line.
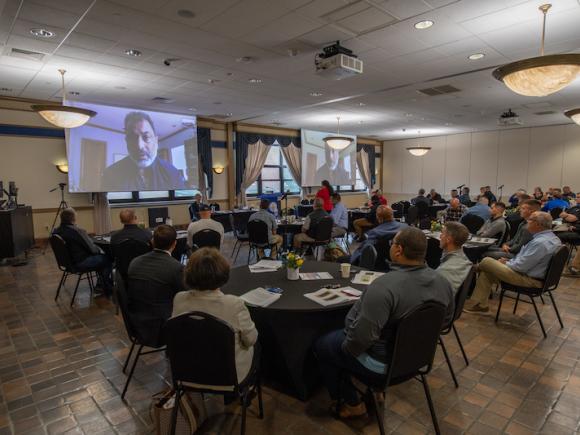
<point>61,207</point>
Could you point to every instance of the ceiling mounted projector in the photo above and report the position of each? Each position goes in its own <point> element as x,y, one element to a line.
<point>509,118</point>
<point>337,62</point>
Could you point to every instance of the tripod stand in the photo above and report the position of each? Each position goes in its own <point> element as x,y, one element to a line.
<point>61,207</point>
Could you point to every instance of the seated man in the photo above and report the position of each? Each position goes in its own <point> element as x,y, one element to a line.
<point>453,194</point>
<point>309,226</point>
<point>205,222</point>
<point>434,196</point>
<point>495,226</point>
<point>528,268</point>
<point>556,201</point>
<point>362,224</point>
<point>387,225</point>
<point>516,198</point>
<point>480,209</point>
<point>522,236</point>
<point>268,218</point>
<point>454,265</point>
<point>358,347</point>
<point>130,229</point>
<point>194,207</point>
<point>567,193</point>
<point>571,217</point>
<point>464,198</point>
<point>421,198</point>
<point>83,252</point>
<point>489,195</point>
<point>154,279</point>
<point>339,216</point>
<point>454,211</point>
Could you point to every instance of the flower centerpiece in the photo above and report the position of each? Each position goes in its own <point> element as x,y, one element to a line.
<point>436,226</point>
<point>293,263</point>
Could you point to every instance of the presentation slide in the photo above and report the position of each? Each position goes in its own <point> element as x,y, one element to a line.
<point>124,149</point>
<point>320,162</point>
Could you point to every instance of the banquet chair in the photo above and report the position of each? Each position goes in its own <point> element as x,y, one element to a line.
<point>206,238</point>
<point>409,354</point>
<point>322,235</point>
<point>135,333</point>
<point>551,282</point>
<point>201,351</point>
<point>368,258</point>
<point>258,238</point>
<point>472,222</point>
<point>241,236</point>
<point>460,298</point>
<point>65,264</point>
<point>505,235</point>
<point>556,212</point>
<point>123,254</point>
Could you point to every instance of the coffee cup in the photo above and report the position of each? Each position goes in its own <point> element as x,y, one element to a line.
<point>345,270</point>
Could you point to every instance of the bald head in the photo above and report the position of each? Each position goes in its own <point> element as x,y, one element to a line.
<point>454,203</point>
<point>483,200</point>
<point>127,216</point>
<point>384,214</point>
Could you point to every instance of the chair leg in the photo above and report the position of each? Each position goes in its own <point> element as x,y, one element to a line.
<point>516,304</point>
<point>129,356</point>
<point>72,301</point>
<point>460,345</point>
<point>234,250</point>
<point>175,410</point>
<point>132,371</point>
<point>542,299</point>
<point>260,403</point>
<point>60,284</point>
<point>430,402</point>
<point>539,318</point>
<point>448,362</point>
<point>338,396</point>
<point>501,293</point>
<point>556,309</point>
<point>244,401</point>
<point>378,414</point>
<point>91,286</point>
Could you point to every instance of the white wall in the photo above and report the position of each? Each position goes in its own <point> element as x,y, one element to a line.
<point>516,158</point>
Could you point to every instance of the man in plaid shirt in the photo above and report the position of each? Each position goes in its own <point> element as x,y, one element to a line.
<point>455,210</point>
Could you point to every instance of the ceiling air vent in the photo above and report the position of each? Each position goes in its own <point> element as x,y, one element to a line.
<point>162,100</point>
<point>439,90</point>
<point>26,54</point>
<point>546,112</point>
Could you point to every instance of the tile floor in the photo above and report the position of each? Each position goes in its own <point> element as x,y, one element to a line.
<point>61,372</point>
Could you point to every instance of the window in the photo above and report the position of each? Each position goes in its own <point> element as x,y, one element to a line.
<point>275,176</point>
<point>150,196</point>
<point>358,186</point>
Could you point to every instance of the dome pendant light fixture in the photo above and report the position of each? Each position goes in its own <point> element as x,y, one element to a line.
<point>63,116</point>
<point>574,115</point>
<point>543,75</point>
<point>338,142</point>
<point>419,150</point>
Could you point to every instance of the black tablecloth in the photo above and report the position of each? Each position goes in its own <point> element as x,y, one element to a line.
<point>289,327</point>
<point>103,241</point>
<point>223,217</point>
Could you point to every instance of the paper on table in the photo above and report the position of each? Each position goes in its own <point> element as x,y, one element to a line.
<point>315,275</point>
<point>350,293</point>
<point>265,266</point>
<point>366,277</point>
<point>260,297</point>
<point>326,297</point>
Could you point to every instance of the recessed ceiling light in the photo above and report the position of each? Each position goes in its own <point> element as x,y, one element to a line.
<point>229,114</point>
<point>316,94</point>
<point>408,114</point>
<point>133,52</point>
<point>425,24</point>
<point>42,33</point>
<point>476,56</point>
<point>361,104</point>
<point>245,59</point>
<point>213,81</point>
<point>192,109</point>
<point>255,80</point>
<point>75,93</point>
<point>185,13</point>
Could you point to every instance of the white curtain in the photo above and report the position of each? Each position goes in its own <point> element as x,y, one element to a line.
<point>255,160</point>
<point>101,213</point>
<point>362,160</point>
<point>293,157</point>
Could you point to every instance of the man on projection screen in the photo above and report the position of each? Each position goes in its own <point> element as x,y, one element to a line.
<point>142,169</point>
<point>333,168</point>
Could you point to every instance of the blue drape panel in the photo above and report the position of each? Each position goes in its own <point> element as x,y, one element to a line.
<point>205,156</point>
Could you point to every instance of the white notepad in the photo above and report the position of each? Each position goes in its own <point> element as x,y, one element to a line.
<point>260,297</point>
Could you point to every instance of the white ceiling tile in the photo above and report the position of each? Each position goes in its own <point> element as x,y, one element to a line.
<point>365,20</point>
<point>283,29</point>
<point>403,9</point>
<point>325,35</point>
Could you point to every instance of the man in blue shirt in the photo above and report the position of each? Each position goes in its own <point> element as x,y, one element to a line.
<point>480,209</point>
<point>528,268</point>
<point>556,202</point>
<point>464,198</point>
<point>388,226</point>
<point>339,216</point>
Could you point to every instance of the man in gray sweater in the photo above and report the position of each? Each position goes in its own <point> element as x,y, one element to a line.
<point>358,347</point>
<point>495,225</point>
<point>512,247</point>
<point>455,266</point>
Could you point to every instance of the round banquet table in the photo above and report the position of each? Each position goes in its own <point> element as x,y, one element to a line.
<point>288,328</point>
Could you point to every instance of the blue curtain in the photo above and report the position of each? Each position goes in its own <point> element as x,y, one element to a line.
<point>205,157</point>
<point>245,139</point>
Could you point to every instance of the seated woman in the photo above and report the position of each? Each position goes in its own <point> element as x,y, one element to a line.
<point>206,271</point>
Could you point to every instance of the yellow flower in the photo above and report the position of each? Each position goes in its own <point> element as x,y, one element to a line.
<point>300,262</point>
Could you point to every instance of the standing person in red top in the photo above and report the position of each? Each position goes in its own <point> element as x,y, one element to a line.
<point>325,192</point>
<point>377,197</point>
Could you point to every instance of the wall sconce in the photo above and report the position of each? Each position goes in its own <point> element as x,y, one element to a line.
<point>62,168</point>
<point>218,169</point>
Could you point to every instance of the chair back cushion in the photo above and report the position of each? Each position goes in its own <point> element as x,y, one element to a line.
<point>368,257</point>
<point>472,222</point>
<point>555,268</point>
<point>206,238</point>
<point>201,350</point>
<point>462,293</point>
<point>258,232</point>
<point>61,253</point>
<point>125,252</point>
<point>323,229</point>
<point>556,212</point>
<point>410,350</point>
<point>123,301</point>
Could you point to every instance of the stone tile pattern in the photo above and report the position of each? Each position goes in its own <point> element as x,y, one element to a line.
<point>61,372</point>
